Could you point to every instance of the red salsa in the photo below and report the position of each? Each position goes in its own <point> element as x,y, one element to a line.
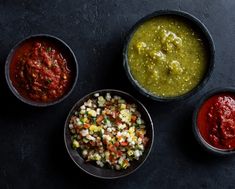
<point>216,121</point>
<point>39,71</point>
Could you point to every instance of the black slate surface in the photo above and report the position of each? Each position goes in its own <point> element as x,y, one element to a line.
<point>32,152</point>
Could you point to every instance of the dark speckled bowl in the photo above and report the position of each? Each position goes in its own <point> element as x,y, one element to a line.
<point>209,148</point>
<point>107,173</point>
<point>67,53</point>
<point>197,24</point>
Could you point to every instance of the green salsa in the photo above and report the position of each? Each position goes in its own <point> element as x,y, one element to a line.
<point>167,56</point>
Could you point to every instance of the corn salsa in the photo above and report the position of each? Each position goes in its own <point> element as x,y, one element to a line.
<point>167,56</point>
<point>108,131</point>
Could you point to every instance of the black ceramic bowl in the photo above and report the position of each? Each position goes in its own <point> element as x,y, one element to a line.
<point>197,24</point>
<point>66,52</point>
<point>107,173</point>
<point>206,146</point>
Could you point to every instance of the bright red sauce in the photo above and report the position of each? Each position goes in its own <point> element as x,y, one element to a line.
<point>216,121</point>
<point>39,71</point>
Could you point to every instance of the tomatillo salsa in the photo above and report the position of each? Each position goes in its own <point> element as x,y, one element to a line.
<point>216,121</point>
<point>39,71</point>
<point>167,56</point>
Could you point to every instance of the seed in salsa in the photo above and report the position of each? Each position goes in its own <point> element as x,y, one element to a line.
<point>167,56</point>
<point>216,121</point>
<point>39,71</point>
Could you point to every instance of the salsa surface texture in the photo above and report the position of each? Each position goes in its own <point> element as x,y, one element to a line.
<point>108,130</point>
<point>167,56</point>
<point>39,71</point>
<point>216,121</point>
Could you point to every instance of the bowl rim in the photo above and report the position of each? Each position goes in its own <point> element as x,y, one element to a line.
<point>138,104</point>
<point>14,90</point>
<point>206,146</point>
<point>198,24</point>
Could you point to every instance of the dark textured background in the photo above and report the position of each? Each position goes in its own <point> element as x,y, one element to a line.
<point>32,153</point>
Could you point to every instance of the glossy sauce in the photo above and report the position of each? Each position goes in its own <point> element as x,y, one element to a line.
<point>167,56</point>
<point>216,121</point>
<point>39,71</point>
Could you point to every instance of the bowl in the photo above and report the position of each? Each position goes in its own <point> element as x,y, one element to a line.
<point>198,136</point>
<point>108,173</point>
<point>57,44</point>
<point>197,24</point>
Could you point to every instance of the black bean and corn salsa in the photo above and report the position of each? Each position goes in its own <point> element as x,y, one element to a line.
<point>108,131</point>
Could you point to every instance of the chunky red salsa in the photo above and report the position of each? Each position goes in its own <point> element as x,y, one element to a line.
<point>39,71</point>
<point>216,121</point>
